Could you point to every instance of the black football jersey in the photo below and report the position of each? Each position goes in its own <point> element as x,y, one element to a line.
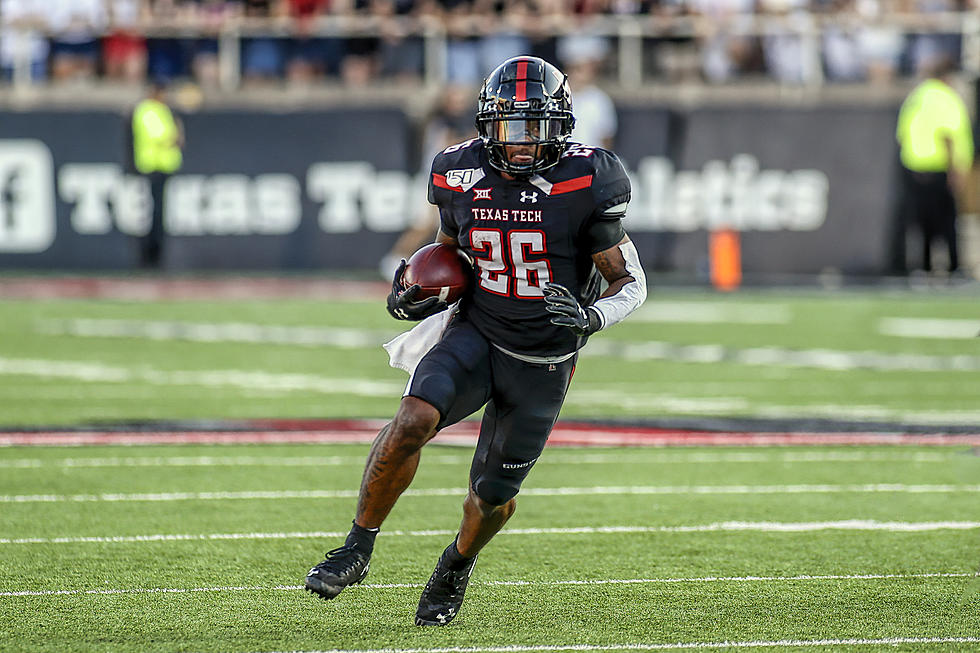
<point>523,233</point>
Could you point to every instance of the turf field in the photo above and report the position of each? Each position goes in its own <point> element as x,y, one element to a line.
<point>904,356</point>
<point>203,548</point>
<point>167,548</point>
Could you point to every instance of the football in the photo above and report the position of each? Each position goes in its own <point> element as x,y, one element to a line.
<point>442,271</point>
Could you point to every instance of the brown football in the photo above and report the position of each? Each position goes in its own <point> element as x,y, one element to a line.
<point>441,270</point>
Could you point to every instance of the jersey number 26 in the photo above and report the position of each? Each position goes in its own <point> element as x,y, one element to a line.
<point>507,268</point>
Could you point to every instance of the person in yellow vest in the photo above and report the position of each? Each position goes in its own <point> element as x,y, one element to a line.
<point>158,137</point>
<point>936,151</point>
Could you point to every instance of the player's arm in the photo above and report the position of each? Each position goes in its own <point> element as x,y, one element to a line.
<point>446,239</point>
<point>620,267</point>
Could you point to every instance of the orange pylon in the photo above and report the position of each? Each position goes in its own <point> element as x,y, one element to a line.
<point>725,252</point>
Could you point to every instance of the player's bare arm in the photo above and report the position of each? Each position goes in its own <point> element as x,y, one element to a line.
<point>611,264</point>
<point>620,266</point>
<point>446,239</point>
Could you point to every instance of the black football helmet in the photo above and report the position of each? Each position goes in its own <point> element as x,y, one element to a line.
<point>525,103</point>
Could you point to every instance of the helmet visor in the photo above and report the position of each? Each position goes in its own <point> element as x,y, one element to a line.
<point>525,130</point>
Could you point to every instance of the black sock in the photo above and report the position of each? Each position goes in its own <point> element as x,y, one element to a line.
<point>362,537</point>
<point>454,559</point>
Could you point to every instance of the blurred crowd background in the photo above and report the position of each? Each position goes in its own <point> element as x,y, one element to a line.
<point>233,43</point>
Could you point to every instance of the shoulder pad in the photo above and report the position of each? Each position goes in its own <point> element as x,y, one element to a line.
<point>465,153</point>
<point>455,169</point>
<point>610,184</point>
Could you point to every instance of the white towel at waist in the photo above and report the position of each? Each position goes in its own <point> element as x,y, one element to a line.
<point>407,349</point>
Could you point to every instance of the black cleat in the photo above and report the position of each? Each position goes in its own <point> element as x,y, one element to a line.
<point>344,566</point>
<point>443,594</point>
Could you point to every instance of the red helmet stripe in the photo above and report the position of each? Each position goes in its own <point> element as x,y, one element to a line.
<point>521,81</point>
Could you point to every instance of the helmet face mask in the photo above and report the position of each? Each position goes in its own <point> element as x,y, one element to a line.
<point>525,116</point>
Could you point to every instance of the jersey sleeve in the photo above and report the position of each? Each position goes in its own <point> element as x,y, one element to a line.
<point>610,186</point>
<point>610,195</point>
<point>441,197</point>
<point>437,194</point>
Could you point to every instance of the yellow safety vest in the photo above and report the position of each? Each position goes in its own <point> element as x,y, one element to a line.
<point>155,136</point>
<point>930,114</point>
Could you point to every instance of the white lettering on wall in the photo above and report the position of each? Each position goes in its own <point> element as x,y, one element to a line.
<point>27,216</point>
<point>736,194</point>
<point>232,205</point>
<point>353,196</point>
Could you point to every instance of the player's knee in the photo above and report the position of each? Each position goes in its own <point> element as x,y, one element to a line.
<point>414,424</point>
<point>494,493</point>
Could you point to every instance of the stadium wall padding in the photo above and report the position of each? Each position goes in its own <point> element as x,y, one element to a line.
<point>809,188</point>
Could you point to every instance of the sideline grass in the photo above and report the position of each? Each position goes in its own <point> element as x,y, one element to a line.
<point>266,611</point>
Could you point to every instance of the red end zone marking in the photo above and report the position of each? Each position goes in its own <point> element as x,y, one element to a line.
<point>581,435</point>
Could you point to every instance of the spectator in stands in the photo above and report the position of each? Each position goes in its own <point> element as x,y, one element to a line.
<point>23,25</point>
<point>76,25</point>
<point>783,42</point>
<point>551,17</point>
<point>936,142</point>
<point>361,57</point>
<point>462,46</point>
<point>595,115</point>
<point>924,48</point>
<point>208,16</point>
<point>263,57</point>
<point>727,47</point>
<point>504,23</point>
<point>401,55</point>
<point>881,43</point>
<point>166,57</point>
<point>124,48</point>
<point>311,56</point>
<point>842,56</point>
<point>158,138</point>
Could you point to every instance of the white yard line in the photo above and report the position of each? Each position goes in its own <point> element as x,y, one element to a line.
<point>717,527</point>
<point>678,646</point>
<point>246,379</point>
<point>125,382</point>
<point>246,332</point>
<point>506,583</point>
<point>868,412</point>
<point>551,458</point>
<point>919,327</point>
<point>826,359</point>
<point>713,313</point>
<point>529,492</point>
<point>311,336</point>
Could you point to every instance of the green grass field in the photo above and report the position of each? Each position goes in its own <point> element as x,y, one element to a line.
<point>170,548</point>
<point>909,356</point>
<point>792,546</point>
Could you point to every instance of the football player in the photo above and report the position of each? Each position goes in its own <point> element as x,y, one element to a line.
<point>541,218</point>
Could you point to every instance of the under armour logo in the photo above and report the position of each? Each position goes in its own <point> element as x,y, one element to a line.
<point>481,193</point>
<point>400,312</point>
<point>529,196</point>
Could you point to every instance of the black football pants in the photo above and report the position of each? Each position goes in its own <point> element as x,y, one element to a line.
<point>464,372</point>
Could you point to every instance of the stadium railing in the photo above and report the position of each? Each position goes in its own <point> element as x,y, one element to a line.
<point>627,33</point>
